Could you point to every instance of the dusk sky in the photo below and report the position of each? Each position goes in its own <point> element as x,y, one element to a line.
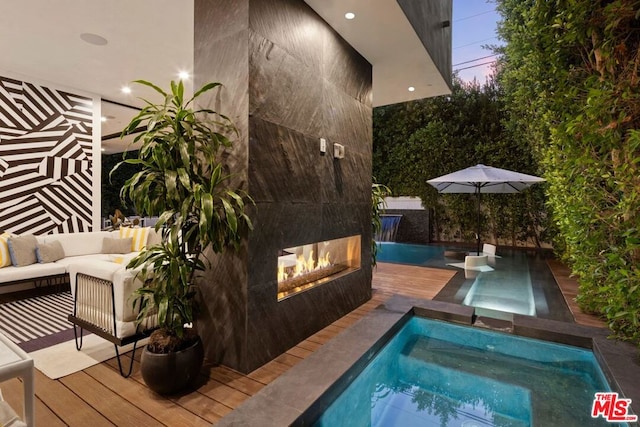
<point>474,25</point>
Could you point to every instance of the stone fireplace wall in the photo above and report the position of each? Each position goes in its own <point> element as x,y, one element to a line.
<point>290,80</point>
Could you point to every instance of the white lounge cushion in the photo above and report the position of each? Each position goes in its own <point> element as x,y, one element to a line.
<point>126,282</point>
<point>80,243</point>
<point>33,271</point>
<point>102,269</point>
<point>67,261</point>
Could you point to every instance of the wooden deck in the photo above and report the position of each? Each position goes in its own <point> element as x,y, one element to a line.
<point>569,286</point>
<point>99,396</point>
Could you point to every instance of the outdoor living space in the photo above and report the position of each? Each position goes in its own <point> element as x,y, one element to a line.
<point>264,141</point>
<point>100,396</point>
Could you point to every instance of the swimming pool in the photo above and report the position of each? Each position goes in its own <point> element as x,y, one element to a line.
<point>405,253</point>
<point>434,373</point>
<point>300,396</point>
<point>521,282</point>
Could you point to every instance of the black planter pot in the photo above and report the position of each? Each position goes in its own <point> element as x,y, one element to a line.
<point>169,373</point>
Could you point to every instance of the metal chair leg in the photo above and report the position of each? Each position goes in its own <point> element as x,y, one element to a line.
<point>135,343</point>
<point>75,334</point>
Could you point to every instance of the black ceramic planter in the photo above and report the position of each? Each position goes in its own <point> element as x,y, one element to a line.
<point>169,373</point>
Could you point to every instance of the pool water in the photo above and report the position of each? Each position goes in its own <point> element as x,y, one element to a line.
<point>434,373</point>
<point>405,253</point>
<point>520,283</point>
<point>507,288</point>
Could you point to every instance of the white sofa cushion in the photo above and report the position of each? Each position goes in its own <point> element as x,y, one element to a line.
<point>33,271</point>
<point>80,243</point>
<point>66,261</point>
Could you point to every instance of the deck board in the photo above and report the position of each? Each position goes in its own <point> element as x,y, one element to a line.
<point>99,396</point>
<point>569,286</point>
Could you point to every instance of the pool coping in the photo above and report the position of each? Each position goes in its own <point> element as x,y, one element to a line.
<point>302,393</point>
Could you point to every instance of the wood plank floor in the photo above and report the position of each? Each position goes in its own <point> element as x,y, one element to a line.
<point>569,286</point>
<point>99,396</point>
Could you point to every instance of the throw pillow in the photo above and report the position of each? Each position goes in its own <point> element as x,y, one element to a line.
<point>5,258</point>
<point>116,246</point>
<point>139,236</point>
<point>22,250</point>
<point>49,252</point>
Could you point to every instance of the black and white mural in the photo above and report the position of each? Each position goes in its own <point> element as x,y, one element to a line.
<point>47,160</point>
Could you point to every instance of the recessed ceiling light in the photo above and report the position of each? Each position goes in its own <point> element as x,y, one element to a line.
<point>183,75</point>
<point>93,39</point>
<point>349,15</point>
<point>102,149</point>
<point>126,89</point>
<point>103,119</point>
<point>411,88</point>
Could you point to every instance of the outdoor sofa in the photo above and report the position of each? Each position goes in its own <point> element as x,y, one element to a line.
<point>94,264</point>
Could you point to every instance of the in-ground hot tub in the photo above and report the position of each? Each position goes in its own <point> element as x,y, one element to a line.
<point>306,391</point>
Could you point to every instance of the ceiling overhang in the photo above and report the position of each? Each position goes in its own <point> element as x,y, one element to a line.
<point>153,39</point>
<point>383,35</point>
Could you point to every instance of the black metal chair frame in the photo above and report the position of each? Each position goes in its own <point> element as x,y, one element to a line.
<point>104,330</point>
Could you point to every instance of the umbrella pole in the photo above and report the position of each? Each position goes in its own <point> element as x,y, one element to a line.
<point>478,234</point>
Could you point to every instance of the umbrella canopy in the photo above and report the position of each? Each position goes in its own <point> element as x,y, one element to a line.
<point>483,179</point>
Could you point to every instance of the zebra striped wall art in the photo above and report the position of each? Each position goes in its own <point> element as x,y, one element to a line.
<point>48,159</point>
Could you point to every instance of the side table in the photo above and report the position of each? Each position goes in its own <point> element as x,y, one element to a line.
<point>14,362</point>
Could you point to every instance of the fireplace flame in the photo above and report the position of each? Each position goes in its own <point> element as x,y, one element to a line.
<point>303,266</point>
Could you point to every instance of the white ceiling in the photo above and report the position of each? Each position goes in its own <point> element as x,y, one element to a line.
<point>153,40</point>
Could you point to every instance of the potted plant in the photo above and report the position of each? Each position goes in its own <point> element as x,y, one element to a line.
<point>182,181</point>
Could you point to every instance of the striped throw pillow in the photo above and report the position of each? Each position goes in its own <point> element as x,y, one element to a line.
<point>139,236</point>
<point>5,258</point>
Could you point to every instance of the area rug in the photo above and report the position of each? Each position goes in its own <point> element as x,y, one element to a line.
<point>39,326</point>
<point>63,359</point>
<point>37,322</point>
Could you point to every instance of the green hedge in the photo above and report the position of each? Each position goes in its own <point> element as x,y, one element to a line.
<point>423,139</point>
<point>570,75</point>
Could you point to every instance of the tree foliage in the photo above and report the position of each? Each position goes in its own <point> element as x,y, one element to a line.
<point>570,75</point>
<point>423,139</point>
<point>112,183</point>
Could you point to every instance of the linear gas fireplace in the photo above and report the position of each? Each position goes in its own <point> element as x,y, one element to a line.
<point>303,267</point>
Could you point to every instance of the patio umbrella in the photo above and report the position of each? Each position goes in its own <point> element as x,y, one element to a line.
<point>483,179</point>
